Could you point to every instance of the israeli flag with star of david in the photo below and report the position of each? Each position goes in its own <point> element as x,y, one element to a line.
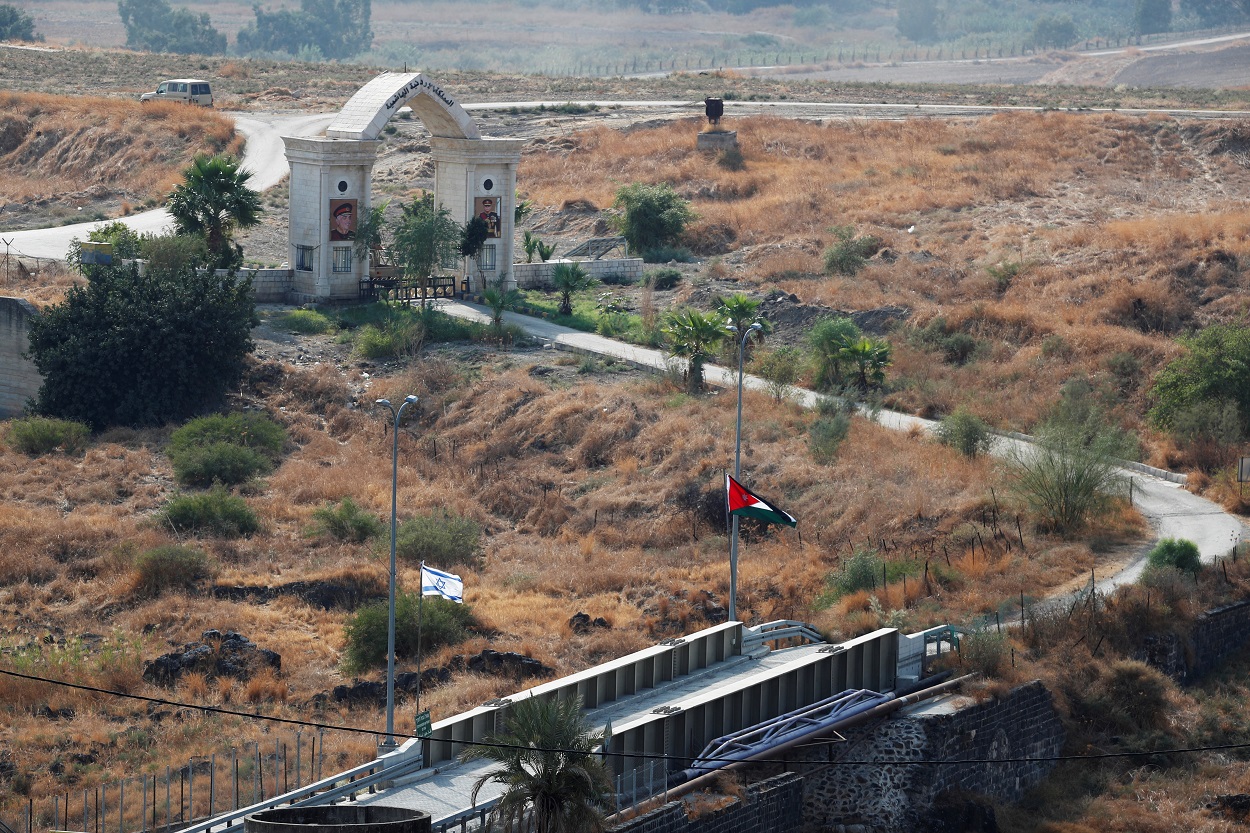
<point>437,583</point>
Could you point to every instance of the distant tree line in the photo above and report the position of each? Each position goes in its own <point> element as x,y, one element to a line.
<point>319,30</point>
<point>15,24</point>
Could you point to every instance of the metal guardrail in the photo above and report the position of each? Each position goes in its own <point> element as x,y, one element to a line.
<point>325,791</point>
<point>781,629</point>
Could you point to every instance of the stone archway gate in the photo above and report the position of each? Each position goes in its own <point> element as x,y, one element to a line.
<point>331,180</point>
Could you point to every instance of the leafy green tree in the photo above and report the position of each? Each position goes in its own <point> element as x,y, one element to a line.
<point>1052,31</point>
<point>778,368</point>
<point>131,349</point>
<point>155,26</point>
<point>15,24</point>
<point>569,279</point>
<point>548,765</point>
<point>1212,13</point>
<point>1214,368</point>
<point>918,20</point>
<point>651,216</point>
<point>329,29</point>
<point>425,239</point>
<point>213,200</point>
<point>828,340</point>
<point>124,240</point>
<point>847,254</point>
<point>1151,16</point>
<point>694,336</point>
<point>1177,553</point>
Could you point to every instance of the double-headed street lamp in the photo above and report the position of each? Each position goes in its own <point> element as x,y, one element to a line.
<point>390,619</point>
<point>733,535</point>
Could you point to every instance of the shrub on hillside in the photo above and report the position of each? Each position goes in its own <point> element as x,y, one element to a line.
<point>215,512</point>
<point>347,522</point>
<point>220,462</point>
<point>43,435</point>
<point>984,651</point>
<point>779,368</point>
<point>1177,553</point>
<point>170,567</point>
<point>965,432</point>
<point>862,571</point>
<point>442,622</point>
<point>651,216</point>
<point>441,539</point>
<point>306,321</point>
<point>847,254</point>
<point>826,435</point>
<point>1128,696</point>
<point>663,278</point>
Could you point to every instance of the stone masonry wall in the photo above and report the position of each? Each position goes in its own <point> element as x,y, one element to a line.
<point>533,275</point>
<point>897,791</point>
<point>1215,635</point>
<point>774,805</point>
<point>19,378</point>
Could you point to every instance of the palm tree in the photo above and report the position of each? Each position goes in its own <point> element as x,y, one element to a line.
<point>568,279</point>
<point>870,357</point>
<point>694,336</point>
<point>740,312</point>
<point>548,765</point>
<point>212,201</point>
<point>829,339</point>
<point>500,300</point>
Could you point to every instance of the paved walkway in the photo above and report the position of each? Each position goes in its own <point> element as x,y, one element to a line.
<point>1171,511</point>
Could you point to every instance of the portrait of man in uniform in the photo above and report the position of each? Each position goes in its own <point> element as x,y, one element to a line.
<point>486,208</point>
<point>342,219</point>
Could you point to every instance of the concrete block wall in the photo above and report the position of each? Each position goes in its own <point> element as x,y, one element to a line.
<point>538,275</point>
<point>1187,659</point>
<point>272,286</point>
<point>771,806</point>
<point>19,380</point>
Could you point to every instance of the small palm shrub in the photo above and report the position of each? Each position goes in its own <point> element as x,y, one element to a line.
<point>442,622</point>
<point>215,512</point>
<point>170,567</point>
<point>347,522</point>
<point>965,432</point>
<point>41,435</point>
<point>440,539</point>
<point>1177,553</point>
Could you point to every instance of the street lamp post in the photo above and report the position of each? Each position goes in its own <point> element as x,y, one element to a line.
<point>733,535</point>
<point>390,617</point>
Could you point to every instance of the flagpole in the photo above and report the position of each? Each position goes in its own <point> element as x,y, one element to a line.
<point>733,535</point>
<point>420,602</point>
<point>390,618</point>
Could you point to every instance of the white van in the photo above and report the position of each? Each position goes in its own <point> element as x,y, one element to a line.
<point>186,90</point>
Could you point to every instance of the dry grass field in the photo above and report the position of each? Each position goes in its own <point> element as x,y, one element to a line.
<point>1055,240</point>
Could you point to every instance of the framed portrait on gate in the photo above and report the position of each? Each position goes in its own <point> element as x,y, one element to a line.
<point>342,219</point>
<point>487,208</point>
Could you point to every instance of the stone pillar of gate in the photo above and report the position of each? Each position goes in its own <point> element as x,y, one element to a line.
<point>475,177</point>
<point>327,175</point>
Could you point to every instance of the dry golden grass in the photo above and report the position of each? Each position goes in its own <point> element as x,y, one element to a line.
<point>139,149</point>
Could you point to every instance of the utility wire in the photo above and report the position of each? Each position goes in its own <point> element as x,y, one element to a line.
<point>1223,747</point>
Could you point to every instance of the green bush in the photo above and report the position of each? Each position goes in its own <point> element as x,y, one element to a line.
<point>667,254</point>
<point>220,462</point>
<point>215,512</point>
<point>306,321</point>
<point>441,539</point>
<point>662,279</point>
<point>1177,553</point>
<point>984,651</point>
<point>847,254</point>
<point>826,435</point>
<point>394,338</point>
<point>965,432</point>
<point>42,435</point>
<point>442,622</point>
<point>347,522</point>
<point>861,571</point>
<point>247,430</point>
<point>778,368</point>
<point>651,216</point>
<point>1128,696</point>
<point>170,567</point>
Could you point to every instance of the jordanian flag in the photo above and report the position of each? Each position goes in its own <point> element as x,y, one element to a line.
<point>746,504</point>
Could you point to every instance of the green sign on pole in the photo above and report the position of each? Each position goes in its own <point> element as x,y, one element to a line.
<point>423,723</point>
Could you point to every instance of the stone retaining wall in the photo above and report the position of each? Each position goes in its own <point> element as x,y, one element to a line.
<point>19,379</point>
<point>1187,659</point>
<point>623,269</point>
<point>898,790</point>
<point>774,805</point>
